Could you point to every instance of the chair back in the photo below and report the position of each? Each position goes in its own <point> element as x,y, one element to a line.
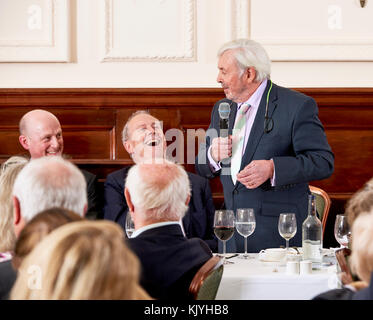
<point>323,203</point>
<point>206,281</point>
<point>341,255</point>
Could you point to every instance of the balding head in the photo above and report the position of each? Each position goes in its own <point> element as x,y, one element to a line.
<point>41,134</point>
<point>45,183</point>
<point>158,192</point>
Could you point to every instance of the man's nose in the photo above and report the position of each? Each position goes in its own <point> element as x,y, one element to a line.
<point>54,142</point>
<point>218,78</point>
<point>151,129</point>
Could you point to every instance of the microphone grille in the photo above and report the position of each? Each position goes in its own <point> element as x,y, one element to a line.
<point>224,110</point>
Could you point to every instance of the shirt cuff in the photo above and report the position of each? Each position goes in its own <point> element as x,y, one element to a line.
<point>273,179</point>
<point>213,165</point>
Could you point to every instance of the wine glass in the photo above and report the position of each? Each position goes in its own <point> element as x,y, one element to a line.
<point>287,227</point>
<point>245,225</point>
<point>342,230</point>
<point>130,226</point>
<point>224,228</point>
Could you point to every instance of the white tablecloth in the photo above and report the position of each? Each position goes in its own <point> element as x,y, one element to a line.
<point>257,280</point>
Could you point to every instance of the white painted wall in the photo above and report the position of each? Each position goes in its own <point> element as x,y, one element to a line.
<point>215,21</point>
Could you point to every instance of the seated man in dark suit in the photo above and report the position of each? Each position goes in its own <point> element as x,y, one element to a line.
<point>144,140</point>
<point>41,135</point>
<point>157,196</point>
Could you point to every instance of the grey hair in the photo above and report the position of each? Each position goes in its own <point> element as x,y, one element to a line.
<point>125,136</point>
<point>50,182</point>
<point>249,53</point>
<point>161,201</point>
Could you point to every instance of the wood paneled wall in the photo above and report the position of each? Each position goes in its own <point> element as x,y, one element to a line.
<point>92,120</point>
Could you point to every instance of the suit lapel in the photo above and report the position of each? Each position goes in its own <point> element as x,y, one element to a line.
<point>257,129</point>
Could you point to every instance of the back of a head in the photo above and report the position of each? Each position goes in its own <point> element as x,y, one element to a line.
<point>160,189</point>
<point>249,53</point>
<point>81,260</point>
<point>38,228</point>
<point>50,182</point>
<point>361,201</point>
<point>362,246</point>
<point>9,172</point>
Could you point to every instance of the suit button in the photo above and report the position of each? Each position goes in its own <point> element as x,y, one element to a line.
<point>235,191</point>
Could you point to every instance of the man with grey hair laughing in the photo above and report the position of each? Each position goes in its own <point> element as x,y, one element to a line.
<point>143,139</point>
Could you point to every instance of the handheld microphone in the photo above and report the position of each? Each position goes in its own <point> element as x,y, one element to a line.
<point>224,111</point>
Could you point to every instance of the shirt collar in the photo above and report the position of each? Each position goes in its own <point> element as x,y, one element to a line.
<point>152,226</point>
<point>255,98</point>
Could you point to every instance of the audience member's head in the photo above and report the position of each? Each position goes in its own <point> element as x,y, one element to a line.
<point>38,228</point>
<point>157,192</point>
<point>360,202</point>
<point>45,183</point>
<point>8,173</point>
<point>362,246</point>
<point>143,137</point>
<point>41,134</point>
<point>81,260</point>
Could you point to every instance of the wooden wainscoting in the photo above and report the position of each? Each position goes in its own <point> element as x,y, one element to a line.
<point>92,121</point>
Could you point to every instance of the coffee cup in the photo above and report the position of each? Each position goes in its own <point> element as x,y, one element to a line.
<point>292,267</point>
<point>306,267</point>
<point>272,254</point>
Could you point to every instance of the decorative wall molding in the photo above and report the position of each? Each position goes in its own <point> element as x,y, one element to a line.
<point>185,52</point>
<point>335,35</point>
<point>54,16</point>
<point>237,15</point>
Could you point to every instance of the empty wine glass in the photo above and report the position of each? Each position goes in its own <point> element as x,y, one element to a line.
<point>287,227</point>
<point>245,225</point>
<point>342,230</point>
<point>130,226</point>
<point>224,228</point>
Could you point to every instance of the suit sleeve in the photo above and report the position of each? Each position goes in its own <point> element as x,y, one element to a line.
<point>94,201</point>
<point>313,158</point>
<point>210,237</point>
<point>115,208</point>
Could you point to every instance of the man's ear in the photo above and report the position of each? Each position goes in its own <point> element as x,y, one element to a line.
<point>85,209</point>
<point>23,140</point>
<point>187,201</point>
<point>127,195</point>
<point>16,211</point>
<point>250,73</point>
<point>128,146</point>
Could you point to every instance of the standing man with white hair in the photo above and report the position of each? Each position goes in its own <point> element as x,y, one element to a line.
<point>276,145</point>
<point>157,196</point>
<point>41,135</point>
<point>45,183</point>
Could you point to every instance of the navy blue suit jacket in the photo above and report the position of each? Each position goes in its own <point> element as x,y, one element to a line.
<point>300,151</point>
<point>169,261</point>
<point>8,276</point>
<point>197,222</point>
<point>94,202</point>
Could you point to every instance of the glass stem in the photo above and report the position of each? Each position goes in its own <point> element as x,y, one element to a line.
<point>287,245</point>
<point>224,250</point>
<point>245,246</point>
